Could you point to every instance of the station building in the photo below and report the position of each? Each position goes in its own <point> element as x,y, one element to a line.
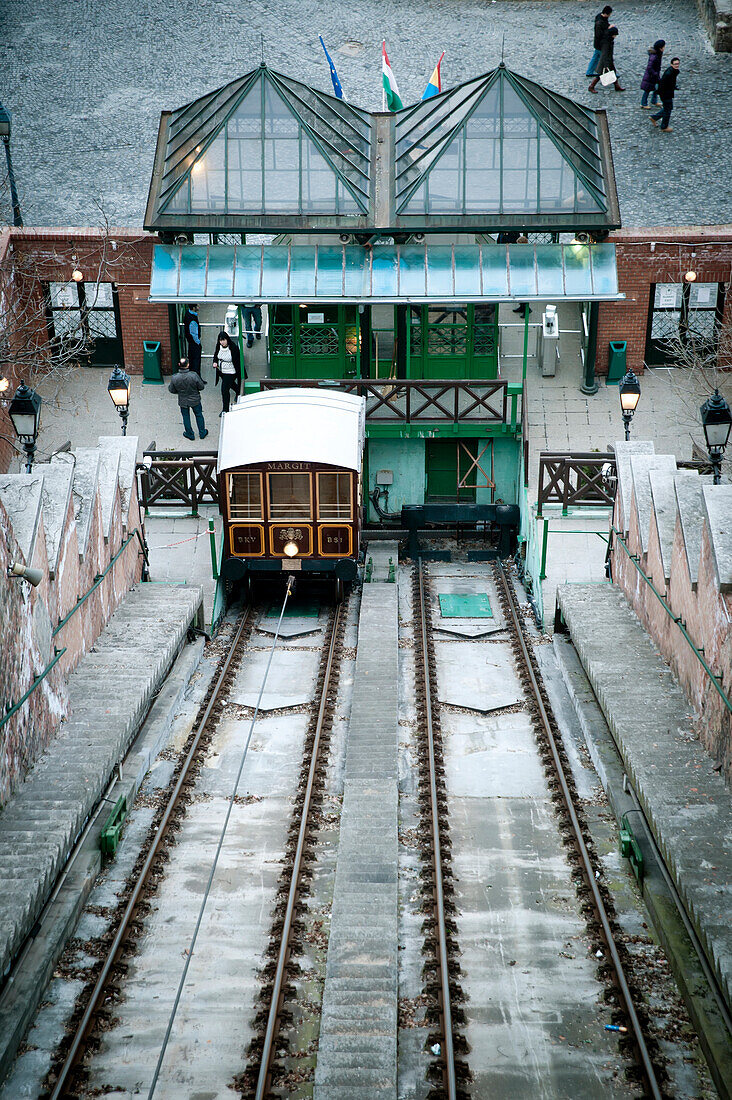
<point>422,247</point>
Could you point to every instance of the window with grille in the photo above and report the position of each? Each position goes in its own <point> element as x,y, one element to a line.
<point>334,496</point>
<point>245,496</point>
<point>84,314</point>
<point>683,313</point>
<point>290,497</point>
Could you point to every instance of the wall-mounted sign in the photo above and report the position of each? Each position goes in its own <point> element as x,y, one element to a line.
<point>667,296</point>
<point>316,318</point>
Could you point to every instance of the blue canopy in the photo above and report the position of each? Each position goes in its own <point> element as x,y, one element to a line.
<point>384,273</point>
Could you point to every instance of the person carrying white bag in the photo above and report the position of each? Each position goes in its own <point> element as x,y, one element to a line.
<point>606,64</point>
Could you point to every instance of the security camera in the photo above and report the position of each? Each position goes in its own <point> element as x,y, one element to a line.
<point>33,576</point>
<point>346,238</point>
<point>181,238</point>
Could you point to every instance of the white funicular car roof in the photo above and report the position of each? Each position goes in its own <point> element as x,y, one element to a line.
<point>294,425</point>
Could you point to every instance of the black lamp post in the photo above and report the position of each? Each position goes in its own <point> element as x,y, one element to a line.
<point>716,419</point>
<point>119,390</point>
<point>25,412</point>
<point>5,134</point>
<point>630,391</point>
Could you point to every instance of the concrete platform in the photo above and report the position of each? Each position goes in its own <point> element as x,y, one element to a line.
<point>686,803</point>
<point>357,1049</point>
<point>110,694</point>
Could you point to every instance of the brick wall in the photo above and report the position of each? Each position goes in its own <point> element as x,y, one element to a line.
<point>660,255</point>
<point>121,256</point>
<point>702,606</point>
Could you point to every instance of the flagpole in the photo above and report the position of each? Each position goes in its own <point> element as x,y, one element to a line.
<point>383,89</point>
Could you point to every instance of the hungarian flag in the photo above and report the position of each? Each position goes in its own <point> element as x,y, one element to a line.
<point>391,91</point>
<point>434,84</point>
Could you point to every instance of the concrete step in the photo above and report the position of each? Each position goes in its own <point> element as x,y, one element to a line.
<point>40,824</point>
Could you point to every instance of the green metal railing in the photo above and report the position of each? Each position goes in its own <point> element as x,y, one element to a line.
<point>699,653</point>
<point>38,680</point>
<point>97,581</point>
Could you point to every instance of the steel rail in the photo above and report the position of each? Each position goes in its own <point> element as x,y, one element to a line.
<point>270,1037</point>
<point>116,946</point>
<point>589,871</point>
<point>448,1052</point>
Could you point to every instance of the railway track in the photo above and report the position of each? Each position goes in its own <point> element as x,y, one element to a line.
<point>66,1081</point>
<point>285,939</point>
<point>595,907</point>
<point>442,968</point>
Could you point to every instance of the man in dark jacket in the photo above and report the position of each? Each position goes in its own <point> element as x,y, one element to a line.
<point>666,91</point>
<point>188,385</point>
<point>602,23</point>
<point>192,330</point>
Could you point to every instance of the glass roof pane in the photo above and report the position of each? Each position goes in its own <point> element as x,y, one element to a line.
<point>246,121</point>
<point>586,201</point>
<point>346,202</point>
<point>302,271</point>
<point>445,181</point>
<point>439,271</point>
<point>208,178</point>
<point>330,270</point>
<point>247,274</point>
<point>577,276</point>
<point>274,272</point>
<point>604,269</point>
<point>549,270</point>
<point>282,173</point>
<point>179,204</point>
<point>416,204</point>
<point>192,283</point>
<point>219,282</point>
<point>467,270</point>
<point>556,178</point>
<point>244,175</point>
<point>384,277</point>
<point>411,271</point>
<point>495,273</point>
<point>165,269</point>
<point>318,181</point>
<point>522,270</point>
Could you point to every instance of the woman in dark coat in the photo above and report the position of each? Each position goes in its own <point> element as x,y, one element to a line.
<point>649,83</point>
<point>229,368</point>
<point>607,60</point>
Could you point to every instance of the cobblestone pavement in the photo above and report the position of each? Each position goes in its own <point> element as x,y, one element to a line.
<point>86,83</point>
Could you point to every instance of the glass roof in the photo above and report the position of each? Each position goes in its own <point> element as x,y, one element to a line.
<point>502,145</point>
<point>384,273</point>
<point>267,144</point>
<point>266,153</point>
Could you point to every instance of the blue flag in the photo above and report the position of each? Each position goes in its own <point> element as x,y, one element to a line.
<point>333,74</point>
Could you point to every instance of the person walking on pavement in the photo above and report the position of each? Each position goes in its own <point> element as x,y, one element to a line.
<point>229,369</point>
<point>602,24</point>
<point>188,385</point>
<point>192,328</point>
<point>649,83</point>
<point>252,322</point>
<point>666,91</point>
<point>607,60</point>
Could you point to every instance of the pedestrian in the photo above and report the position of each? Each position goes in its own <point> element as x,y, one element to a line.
<point>188,385</point>
<point>606,64</point>
<point>649,83</point>
<point>666,91</point>
<point>229,369</point>
<point>252,321</point>
<point>192,329</point>
<point>602,24</point>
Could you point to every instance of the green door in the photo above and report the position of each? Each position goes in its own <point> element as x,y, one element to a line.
<point>442,457</point>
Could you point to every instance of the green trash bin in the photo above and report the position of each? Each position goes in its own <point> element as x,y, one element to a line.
<point>616,367</point>
<point>151,362</point>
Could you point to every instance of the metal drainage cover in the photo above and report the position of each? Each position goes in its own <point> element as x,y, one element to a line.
<point>474,606</point>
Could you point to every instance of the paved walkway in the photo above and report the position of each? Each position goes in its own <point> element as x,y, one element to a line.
<point>110,693</point>
<point>686,803</point>
<point>357,1050</point>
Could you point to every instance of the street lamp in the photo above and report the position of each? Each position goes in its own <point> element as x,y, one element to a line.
<point>119,390</point>
<point>630,391</point>
<point>25,412</point>
<point>716,420</point>
<point>5,129</point>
